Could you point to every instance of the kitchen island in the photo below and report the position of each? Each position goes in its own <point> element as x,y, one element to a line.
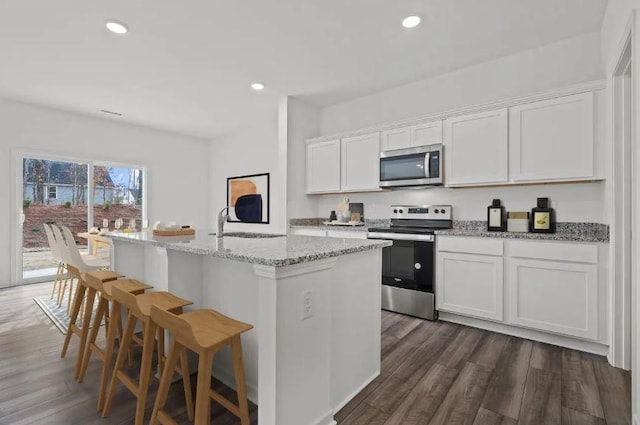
<point>314,303</point>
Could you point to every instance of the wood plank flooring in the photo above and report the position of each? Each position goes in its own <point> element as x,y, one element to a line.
<point>433,373</point>
<point>437,373</point>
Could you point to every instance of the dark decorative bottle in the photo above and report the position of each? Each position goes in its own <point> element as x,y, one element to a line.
<point>543,218</point>
<point>496,217</point>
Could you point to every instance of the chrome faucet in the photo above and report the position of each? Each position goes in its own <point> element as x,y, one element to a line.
<point>222,218</point>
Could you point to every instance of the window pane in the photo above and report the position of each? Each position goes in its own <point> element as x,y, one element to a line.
<point>117,193</point>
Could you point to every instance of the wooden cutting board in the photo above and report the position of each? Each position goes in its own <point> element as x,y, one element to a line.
<point>174,232</point>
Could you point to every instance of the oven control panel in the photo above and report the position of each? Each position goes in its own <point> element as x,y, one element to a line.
<point>423,212</point>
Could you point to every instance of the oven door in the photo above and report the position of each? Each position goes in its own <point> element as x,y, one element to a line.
<point>409,264</point>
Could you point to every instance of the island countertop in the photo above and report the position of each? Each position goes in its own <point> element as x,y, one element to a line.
<point>271,251</point>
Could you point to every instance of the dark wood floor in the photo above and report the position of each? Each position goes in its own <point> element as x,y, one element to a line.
<point>438,373</point>
<point>432,374</point>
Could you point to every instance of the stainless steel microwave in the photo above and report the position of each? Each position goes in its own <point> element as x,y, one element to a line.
<point>419,166</point>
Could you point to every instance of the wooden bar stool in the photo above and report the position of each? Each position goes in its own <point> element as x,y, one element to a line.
<point>139,310</point>
<point>113,319</point>
<point>81,292</point>
<point>204,332</point>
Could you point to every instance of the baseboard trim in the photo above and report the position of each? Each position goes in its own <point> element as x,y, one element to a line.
<point>357,391</point>
<point>562,341</point>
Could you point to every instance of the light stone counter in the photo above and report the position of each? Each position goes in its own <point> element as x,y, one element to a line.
<point>269,251</point>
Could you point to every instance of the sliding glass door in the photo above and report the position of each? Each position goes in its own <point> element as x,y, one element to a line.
<point>53,192</point>
<point>78,194</point>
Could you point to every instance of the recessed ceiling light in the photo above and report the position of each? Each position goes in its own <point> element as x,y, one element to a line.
<point>257,86</point>
<point>411,21</point>
<point>117,27</point>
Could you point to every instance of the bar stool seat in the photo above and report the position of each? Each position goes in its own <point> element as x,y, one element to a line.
<point>205,332</point>
<point>139,309</point>
<point>83,290</point>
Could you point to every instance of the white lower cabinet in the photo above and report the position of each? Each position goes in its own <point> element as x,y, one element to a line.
<point>470,284</point>
<point>542,285</point>
<point>554,296</point>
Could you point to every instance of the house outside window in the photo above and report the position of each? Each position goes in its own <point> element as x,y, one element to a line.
<point>53,192</point>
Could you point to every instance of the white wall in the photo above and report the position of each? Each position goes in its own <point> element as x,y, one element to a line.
<point>553,66</point>
<point>253,150</point>
<point>177,176</point>
<point>302,124</point>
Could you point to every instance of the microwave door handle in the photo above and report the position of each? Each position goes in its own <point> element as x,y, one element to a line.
<point>427,165</point>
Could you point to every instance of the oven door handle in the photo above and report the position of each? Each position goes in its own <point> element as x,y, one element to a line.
<point>400,237</point>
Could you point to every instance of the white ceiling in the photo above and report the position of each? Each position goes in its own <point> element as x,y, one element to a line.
<point>186,66</point>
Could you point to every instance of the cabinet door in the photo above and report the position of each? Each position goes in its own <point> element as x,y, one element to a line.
<point>476,149</point>
<point>361,162</point>
<point>323,167</point>
<point>426,134</point>
<point>398,138</point>
<point>554,296</point>
<point>470,284</point>
<point>553,139</point>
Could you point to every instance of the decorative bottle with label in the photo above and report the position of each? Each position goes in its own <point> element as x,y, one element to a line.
<point>496,217</point>
<point>543,218</point>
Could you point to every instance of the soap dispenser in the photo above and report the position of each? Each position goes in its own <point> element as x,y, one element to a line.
<point>496,217</point>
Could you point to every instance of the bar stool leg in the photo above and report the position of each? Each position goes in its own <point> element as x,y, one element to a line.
<point>122,352</point>
<point>203,401</point>
<point>100,313</point>
<point>238,369</point>
<point>86,323</point>
<point>108,354</point>
<point>145,370</point>
<point>80,290</point>
<point>186,382</point>
<point>165,382</point>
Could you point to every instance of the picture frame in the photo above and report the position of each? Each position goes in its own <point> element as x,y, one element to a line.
<point>254,207</point>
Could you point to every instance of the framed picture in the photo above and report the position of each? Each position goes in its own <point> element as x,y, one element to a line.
<point>248,198</point>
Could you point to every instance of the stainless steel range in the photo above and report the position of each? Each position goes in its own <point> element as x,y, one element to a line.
<point>408,267</point>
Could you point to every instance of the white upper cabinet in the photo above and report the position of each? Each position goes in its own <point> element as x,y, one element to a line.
<point>361,163</point>
<point>398,138</point>
<point>426,134</point>
<point>552,139</point>
<point>323,167</point>
<point>416,135</point>
<point>476,148</point>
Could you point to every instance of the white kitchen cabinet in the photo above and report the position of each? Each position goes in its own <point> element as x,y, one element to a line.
<point>426,134</point>
<point>397,138</point>
<point>554,296</point>
<point>360,163</point>
<point>552,139</point>
<point>553,287</point>
<point>476,148</point>
<point>323,167</point>
<point>469,281</point>
<point>407,137</point>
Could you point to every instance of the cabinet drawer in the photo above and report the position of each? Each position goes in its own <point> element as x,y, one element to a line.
<point>483,246</point>
<point>556,251</point>
<point>308,232</point>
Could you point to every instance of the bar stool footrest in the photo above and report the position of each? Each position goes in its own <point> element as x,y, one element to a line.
<point>216,396</point>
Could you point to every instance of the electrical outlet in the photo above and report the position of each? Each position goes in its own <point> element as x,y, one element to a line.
<point>307,305</point>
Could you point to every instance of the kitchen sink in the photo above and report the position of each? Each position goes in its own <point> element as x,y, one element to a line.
<point>250,235</point>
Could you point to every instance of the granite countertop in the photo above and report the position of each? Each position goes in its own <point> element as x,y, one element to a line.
<point>273,251</point>
<point>565,231</point>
